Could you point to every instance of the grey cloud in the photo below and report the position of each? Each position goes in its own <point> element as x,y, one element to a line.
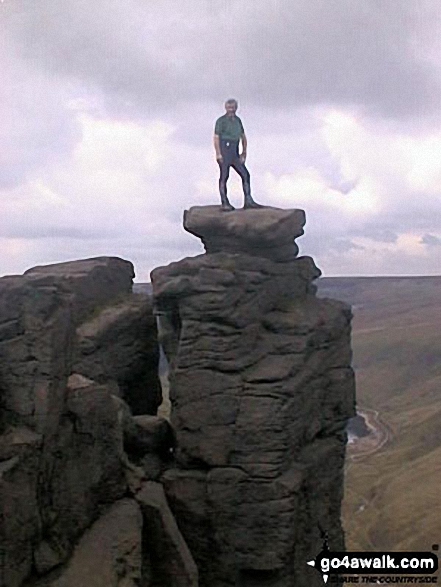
<point>326,243</point>
<point>43,231</point>
<point>403,210</point>
<point>49,135</point>
<point>340,52</point>
<point>377,233</point>
<point>35,125</point>
<point>279,55</point>
<point>344,187</point>
<point>431,240</point>
<point>342,245</point>
<point>178,60</point>
<point>171,57</point>
<point>419,213</point>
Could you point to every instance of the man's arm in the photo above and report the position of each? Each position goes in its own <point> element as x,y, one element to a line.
<point>217,147</point>
<point>244,148</point>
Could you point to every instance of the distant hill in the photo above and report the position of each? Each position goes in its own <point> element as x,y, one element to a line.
<point>142,288</point>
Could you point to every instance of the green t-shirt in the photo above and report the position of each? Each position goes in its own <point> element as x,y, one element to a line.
<point>229,128</point>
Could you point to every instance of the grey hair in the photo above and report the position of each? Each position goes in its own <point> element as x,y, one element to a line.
<point>231,101</point>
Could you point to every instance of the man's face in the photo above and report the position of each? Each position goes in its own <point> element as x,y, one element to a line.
<point>231,108</point>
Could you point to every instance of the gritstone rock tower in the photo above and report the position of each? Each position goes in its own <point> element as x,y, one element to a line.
<point>261,388</point>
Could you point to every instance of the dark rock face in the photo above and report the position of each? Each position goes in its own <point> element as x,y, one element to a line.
<point>171,561</point>
<point>86,460</point>
<point>35,333</point>
<point>109,553</point>
<point>92,282</point>
<point>119,344</point>
<point>62,435</point>
<point>261,389</point>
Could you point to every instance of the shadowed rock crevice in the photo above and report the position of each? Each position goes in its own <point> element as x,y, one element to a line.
<point>118,345</point>
<point>261,388</point>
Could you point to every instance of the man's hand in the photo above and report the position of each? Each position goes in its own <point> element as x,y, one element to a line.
<point>244,149</point>
<point>217,149</point>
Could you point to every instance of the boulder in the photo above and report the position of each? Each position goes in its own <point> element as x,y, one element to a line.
<point>39,312</point>
<point>83,468</point>
<point>91,282</point>
<point>108,554</point>
<point>171,561</point>
<point>20,523</point>
<point>267,232</point>
<point>36,335</point>
<point>149,434</point>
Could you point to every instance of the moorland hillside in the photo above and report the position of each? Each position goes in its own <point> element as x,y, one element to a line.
<point>392,495</point>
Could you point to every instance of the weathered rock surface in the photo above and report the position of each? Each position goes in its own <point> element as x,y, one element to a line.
<point>87,468</point>
<point>92,282</point>
<point>109,554</point>
<point>261,389</point>
<point>35,344</point>
<point>51,489</point>
<point>247,231</point>
<point>149,441</point>
<point>20,464</point>
<point>170,559</point>
<point>119,344</point>
<point>149,434</point>
<point>38,315</point>
<point>62,435</point>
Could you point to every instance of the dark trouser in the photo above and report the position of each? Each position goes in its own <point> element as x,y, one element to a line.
<point>230,158</point>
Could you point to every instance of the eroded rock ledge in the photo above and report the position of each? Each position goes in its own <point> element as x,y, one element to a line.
<point>264,233</point>
<point>261,388</point>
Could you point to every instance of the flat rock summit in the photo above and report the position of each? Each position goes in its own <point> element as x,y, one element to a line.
<point>240,485</point>
<point>260,232</point>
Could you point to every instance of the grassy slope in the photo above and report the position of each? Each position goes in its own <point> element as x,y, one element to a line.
<point>393,498</point>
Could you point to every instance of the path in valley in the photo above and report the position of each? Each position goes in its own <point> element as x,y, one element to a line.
<point>379,435</point>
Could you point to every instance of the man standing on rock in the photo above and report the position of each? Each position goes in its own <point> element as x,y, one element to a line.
<point>228,132</point>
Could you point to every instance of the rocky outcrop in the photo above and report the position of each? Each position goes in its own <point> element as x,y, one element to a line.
<point>119,344</point>
<point>91,283</point>
<point>36,336</point>
<point>261,389</point>
<point>66,439</point>
<point>108,554</point>
<point>170,559</point>
<point>96,489</point>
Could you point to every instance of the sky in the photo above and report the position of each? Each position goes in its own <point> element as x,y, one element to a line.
<point>107,111</point>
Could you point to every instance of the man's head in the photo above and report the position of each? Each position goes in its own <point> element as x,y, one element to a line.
<point>231,106</point>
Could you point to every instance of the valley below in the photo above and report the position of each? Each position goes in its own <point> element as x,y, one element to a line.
<point>392,477</point>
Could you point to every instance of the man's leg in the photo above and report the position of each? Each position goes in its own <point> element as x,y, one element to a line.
<point>240,168</point>
<point>224,169</point>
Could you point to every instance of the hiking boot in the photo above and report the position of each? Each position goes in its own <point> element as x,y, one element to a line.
<point>250,203</point>
<point>226,206</point>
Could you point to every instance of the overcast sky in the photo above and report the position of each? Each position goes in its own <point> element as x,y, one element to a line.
<point>108,109</point>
